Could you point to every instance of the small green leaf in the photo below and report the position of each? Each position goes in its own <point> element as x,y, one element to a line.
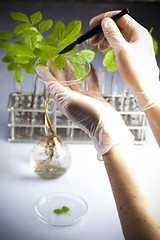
<point>12,66</point>
<point>79,70</point>
<point>57,211</point>
<point>37,52</point>
<point>20,17</point>
<point>4,43</point>
<point>20,42</point>
<point>5,34</point>
<point>87,54</point>
<point>28,67</point>
<point>155,43</point>
<point>36,17</point>
<point>51,40</point>
<point>19,50</point>
<point>45,25</point>
<point>32,31</point>
<point>73,28</point>
<point>8,59</point>
<point>45,47</point>
<point>18,74</point>
<point>59,62</point>
<point>109,60</point>
<point>70,53</point>
<point>21,59</point>
<point>31,41</point>
<point>59,31</point>
<point>155,46</point>
<point>65,209</point>
<point>21,27</point>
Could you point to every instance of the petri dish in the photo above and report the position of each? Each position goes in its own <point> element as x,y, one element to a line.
<point>81,66</point>
<point>46,205</point>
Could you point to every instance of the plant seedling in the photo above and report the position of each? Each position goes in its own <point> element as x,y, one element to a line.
<point>64,209</point>
<point>28,42</point>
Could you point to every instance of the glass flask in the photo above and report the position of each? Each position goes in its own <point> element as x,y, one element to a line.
<point>50,157</point>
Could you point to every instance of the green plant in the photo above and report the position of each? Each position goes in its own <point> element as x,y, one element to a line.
<point>27,43</point>
<point>64,209</point>
<point>155,43</point>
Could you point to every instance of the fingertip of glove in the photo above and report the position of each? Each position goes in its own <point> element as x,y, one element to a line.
<point>107,23</point>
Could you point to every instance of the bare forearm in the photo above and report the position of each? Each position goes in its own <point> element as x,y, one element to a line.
<point>153,116</point>
<point>136,220</point>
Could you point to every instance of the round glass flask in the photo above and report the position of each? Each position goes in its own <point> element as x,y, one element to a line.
<point>50,157</point>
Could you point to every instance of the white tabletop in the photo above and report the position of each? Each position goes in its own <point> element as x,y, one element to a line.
<point>21,187</point>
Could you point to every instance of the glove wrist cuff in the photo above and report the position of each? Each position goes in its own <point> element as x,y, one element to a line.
<point>148,98</point>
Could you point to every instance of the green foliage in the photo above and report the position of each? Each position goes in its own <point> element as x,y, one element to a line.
<point>87,54</point>
<point>20,17</point>
<point>109,60</point>
<point>155,43</point>
<point>27,43</point>
<point>64,209</point>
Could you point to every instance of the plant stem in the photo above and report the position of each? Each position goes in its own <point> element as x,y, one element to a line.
<point>48,120</point>
<point>111,89</point>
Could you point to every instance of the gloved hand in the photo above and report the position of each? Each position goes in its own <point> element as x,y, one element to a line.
<point>134,54</point>
<point>88,109</point>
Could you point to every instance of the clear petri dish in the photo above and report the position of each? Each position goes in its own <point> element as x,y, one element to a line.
<point>46,205</point>
<point>80,65</point>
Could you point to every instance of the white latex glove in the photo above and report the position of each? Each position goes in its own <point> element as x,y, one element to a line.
<point>88,109</point>
<point>134,54</point>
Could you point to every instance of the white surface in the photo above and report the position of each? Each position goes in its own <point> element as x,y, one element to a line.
<point>20,189</point>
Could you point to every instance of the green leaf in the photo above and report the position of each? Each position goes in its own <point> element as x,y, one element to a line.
<point>36,17</point>
<point>87,54</point>
<point>109,60</point>
<point>59,62</point>
<point>45,47</point>
<point>155,46</point>
<point>8,59</point>
<point>28,67</point>
<point>20,42</point>
<point>32,31</point>
<point>155,43</point>
<point>21,27</point>
<point>12,66</point>
<point>59,31</point>
<point>19,50</point>
<point>21,60</point>
<point>48,51</point>
<point>45,25</point>
<point>73,28</point>
<point>31,41</point>
<point>18,74</point>
<point>70,53</point>
<point>57,211</point>
<point>66,42</point>
<point>4,43</point>
<point>20,17</point>
<point>65,209</point>
<point>51,40</point>
<point>48,55</point>
<point>37,52</point>
<point>112,67</point>
<point>79,70</point>
<point>5,34</point>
